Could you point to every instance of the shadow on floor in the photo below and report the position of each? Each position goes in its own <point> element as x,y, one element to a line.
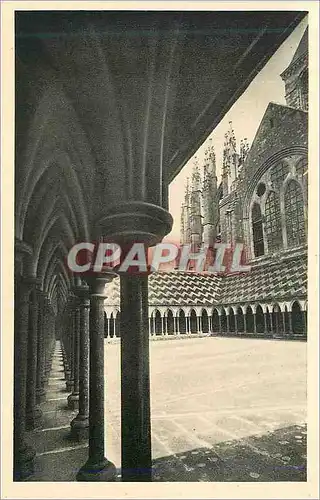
<point>275,456</point>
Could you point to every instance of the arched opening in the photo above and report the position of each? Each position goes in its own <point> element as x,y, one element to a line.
<point>117,325</point>
<point>215,322</point>
<point>193,321</point>
<point>257,231</point>
<point>205,321</point>
<point>249,320</point>
<point>276,319</point>
<point>223,319</point>
<point>240,320</point>
<point>158,322</point>
<point>170,322</point>
<point>182,322</point>
<point>259,319</point>
<point>298,326</point>
<point>232,323</point>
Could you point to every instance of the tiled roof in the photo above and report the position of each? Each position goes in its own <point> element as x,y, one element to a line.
<point>276,280</point>
<point>267,281</point>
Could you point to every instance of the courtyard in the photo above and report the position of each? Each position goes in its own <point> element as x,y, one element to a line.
<point>223,409</point>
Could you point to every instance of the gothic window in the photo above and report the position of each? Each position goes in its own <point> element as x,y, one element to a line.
<point>257,231</point>
<point>294,210</point>
<point>272,226</point>
<point>278,173</point>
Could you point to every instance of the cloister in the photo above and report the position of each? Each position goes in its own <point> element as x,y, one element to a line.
<point>284,319</point>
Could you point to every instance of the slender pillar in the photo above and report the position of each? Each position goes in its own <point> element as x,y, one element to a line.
<point>199,324</point>
<point>228,323</point>
<point>236,323</point>
<point>220,325</point>
<point>187,329</point>
<point>305,322</point>
<point>73,398</point>
<point>265,322</point>
<point>40,390</point>
<point>284,322</point>
<point>23,454</point>
<point>33,410</point>
<point>70,337</point>
<point>97,467</point>
<point>164,325</point>
<point>254,323</point>
<point>244,323</point>
<point>177,318</point>
<point>290,323</point>
<point>80,424</point>
<point>135,379</point>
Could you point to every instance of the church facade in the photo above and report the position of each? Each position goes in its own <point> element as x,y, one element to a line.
<point>261,202</point>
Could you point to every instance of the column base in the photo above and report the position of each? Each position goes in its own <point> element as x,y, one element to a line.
<point>24,463</point>
<point>34,418</point>
<point>73,401</point>
<point>80,427</point>
<point>105,471</point>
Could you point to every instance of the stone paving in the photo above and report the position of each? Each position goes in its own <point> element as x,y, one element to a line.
<point>223,409</point>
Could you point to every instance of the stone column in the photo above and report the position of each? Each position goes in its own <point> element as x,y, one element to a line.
<point>284,322</point>
<point>69,344</point>
<point>236,323</point>
<point>154,325</point>
<point>199,324</point>
<point>254,323</point>
<point>305,322</point>
<point>33,411</point>
<point>23,454</point>
<point>40,391</point>
<point>220,325</point>
<point>177,319</point>
<point>97,467</point>
<point>164,325</point>
<point>228,323</point>
<point>265,322</point>
<point>290,323</point>
<point>244,323</point>
<point>135,383</point>
<point>80,424</point>
<point>73,398</point>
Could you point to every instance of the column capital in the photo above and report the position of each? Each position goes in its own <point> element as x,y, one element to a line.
<point>97,283</point>
<point>135,221</point>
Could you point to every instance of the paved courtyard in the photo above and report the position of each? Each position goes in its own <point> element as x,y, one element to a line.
<point>223,409</point>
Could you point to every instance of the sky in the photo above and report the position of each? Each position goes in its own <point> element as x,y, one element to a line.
<point>246,115</point>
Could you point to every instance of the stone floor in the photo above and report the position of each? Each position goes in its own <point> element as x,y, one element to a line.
<point>223,409</point>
